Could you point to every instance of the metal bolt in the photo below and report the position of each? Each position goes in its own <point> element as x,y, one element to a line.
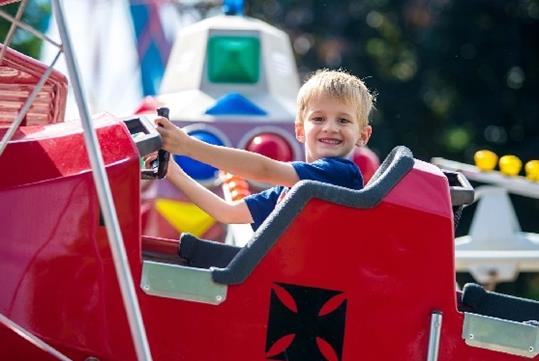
<point>470,336</point>
<point>531,349</point>
<point>219,298</point>
<point>146,287</point>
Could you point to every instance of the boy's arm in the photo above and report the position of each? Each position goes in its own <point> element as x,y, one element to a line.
<point>218,208</point>
<point>236,161</point>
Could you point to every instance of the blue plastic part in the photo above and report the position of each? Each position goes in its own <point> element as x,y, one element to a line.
<point>235,104</point>
<point>195,169</point>
<point>233,7</point>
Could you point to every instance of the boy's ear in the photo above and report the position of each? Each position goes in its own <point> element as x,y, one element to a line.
<point>300,133</point>
<point>364,136</point>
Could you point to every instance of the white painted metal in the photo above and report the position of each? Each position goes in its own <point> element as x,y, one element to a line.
<point>434,336</point>
<point>186,85</point>
<point>496,249</point>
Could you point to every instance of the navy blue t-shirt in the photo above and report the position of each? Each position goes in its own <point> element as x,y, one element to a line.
<point>337,171</point>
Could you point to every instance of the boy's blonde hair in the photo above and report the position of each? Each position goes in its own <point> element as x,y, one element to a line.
<point>338,84</point>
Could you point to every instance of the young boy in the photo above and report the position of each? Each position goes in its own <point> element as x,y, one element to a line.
<point>332,119</point>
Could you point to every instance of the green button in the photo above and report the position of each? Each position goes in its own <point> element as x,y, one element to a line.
<point>233,59</point>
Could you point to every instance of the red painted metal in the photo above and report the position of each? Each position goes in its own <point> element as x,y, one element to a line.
<point>56,267</point>
<point>11,338</point>
<point>160,246</point>
<point>18,76</point>
<point>367,161</point>
<point>394,263</point>
<point>148,105</point>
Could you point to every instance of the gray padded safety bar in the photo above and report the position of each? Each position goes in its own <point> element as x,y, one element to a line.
<point>396,165</point>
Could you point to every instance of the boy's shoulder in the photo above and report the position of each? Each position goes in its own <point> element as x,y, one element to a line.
<point>334,170</point>
<point>327,162</point>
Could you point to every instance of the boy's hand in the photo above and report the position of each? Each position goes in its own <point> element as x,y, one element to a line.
<point>173,138</point>
<point>173,171</point>
<point>148,159</point>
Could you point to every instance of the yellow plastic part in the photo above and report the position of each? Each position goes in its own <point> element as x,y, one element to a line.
<point>532,170</point>
<point>185,217</point>
<point>510,165</point>
<point>485,160</point>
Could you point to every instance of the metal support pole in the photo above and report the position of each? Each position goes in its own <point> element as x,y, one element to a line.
<point>434,336</point>
<point>36,341</point>
<point>105,196</point>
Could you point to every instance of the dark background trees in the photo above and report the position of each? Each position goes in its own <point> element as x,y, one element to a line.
<point>37,14</point>
<point>451,76</point>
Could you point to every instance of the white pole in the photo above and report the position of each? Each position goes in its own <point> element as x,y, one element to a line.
<point>105,197</point>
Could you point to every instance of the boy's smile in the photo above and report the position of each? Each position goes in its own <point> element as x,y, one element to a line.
<point>330,129</point>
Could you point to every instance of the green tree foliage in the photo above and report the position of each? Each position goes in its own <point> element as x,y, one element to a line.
<point>452,76</point>
<point>37,15</point>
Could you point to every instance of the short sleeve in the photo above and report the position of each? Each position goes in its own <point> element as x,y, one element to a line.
<point>337,171</point>
<point>262,204</point>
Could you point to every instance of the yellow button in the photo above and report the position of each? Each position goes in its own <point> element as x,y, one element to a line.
<point>510,165</point>
<point>485,160</point>
<point>532,170</point>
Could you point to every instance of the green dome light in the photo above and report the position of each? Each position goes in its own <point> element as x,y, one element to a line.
<point>233,59</point>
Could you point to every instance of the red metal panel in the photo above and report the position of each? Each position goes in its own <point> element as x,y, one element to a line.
<point>393,263</point>
<point>55,265</point>
<point>20,347</point>
<point>337,248</point>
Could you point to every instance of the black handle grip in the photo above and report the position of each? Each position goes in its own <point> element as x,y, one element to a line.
<point>159,166</point>
<point>163,112</point>
<point>163,156</point>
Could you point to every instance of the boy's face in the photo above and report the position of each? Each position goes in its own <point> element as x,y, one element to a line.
<point>330,129</point>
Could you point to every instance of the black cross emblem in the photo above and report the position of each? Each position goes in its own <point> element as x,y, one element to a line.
<point>301,320</point>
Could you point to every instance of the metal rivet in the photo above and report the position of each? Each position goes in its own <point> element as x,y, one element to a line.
<point>219,298</point>
<point>531,349</point>
<point>470,336</point>
<point>146,287</point>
